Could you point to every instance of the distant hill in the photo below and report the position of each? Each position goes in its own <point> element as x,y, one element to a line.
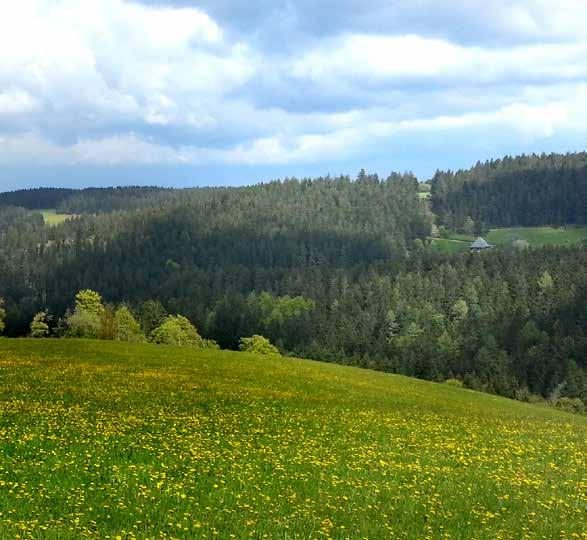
<point>523,191</point>
<point>85,201</point>
<point>101,438</point>
<point>199,244</point>
<point>528,190</point>
<point>37,198</point>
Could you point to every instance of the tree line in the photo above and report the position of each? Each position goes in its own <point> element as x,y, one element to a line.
<point>89,200</point>
<point>92,319</point>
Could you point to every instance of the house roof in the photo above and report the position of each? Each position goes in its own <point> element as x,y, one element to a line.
<point>480,243</point>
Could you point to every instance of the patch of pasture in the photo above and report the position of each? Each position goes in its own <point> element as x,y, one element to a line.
<point>52,218</point>
<point>538,236</point>
<point>535,237</point>
<point>448,245</point>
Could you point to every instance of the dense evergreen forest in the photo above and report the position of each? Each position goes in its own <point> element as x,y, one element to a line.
<point>36,198</point>
<point>523,191</point>
<point>88,201</point>
<point>332,268</point>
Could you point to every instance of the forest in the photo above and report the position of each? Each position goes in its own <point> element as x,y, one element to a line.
<point>333,268</point>
<point>525,191</point>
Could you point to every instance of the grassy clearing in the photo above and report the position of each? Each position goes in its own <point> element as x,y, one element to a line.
<point>538,236</point>
<point>535,236</point>
<point>133,441</point>
<point>462,237</point>
<point>52,218</point>
<point>448,245</point>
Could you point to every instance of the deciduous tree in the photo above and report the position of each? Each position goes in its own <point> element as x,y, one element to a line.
<point>258,345</point>
<point>40,325</point>
<point>177,330</point>
<point>126,327</point>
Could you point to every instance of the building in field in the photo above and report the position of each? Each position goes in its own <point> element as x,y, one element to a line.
<point>480,244</point>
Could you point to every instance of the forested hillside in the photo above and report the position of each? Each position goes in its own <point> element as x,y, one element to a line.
<point>331,269</point>
<point>36,198</point>
<point>212,242</point>
<point>89,201</point>
<point>523,191</point>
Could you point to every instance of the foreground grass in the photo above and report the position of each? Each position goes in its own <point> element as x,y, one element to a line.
<point>52,218</point>
<point>111,440</point>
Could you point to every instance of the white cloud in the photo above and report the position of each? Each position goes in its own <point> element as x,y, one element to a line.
<point>108,151</point>
<point>397,59</point>
<point>112,58</point>
<point>17,102</point>
<point>495,21</point>
<point>126,83</point>
<point>543,19</point>
<point>351,135</point>
<point>529,122</point>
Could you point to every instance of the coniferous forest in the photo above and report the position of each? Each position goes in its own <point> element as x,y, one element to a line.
<point>526,191</point>
<point>335,269</point>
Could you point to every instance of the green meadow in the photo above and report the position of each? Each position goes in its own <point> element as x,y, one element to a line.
<point>52,218</point>
<point>448,245</point>
<point>539,236</point>
<point>535,236</point>
<point>107,440</point>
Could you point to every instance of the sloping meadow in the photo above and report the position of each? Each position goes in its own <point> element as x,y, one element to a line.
<point>107,440</point>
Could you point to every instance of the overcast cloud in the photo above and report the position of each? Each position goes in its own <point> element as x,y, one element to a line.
<point>114,92</point>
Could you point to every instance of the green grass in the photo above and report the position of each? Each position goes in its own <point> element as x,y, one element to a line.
<point>535,236</point>
<point>462,237</point>
<point>538,236</point>
<point>448,245</point>
<point>109,440</point>
<point>424,195</point>
<point>52,218</point>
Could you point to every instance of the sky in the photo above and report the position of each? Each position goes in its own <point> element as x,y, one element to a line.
<point>227,92</point>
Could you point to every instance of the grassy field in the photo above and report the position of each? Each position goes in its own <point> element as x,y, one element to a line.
<point>535,236</point>
<point>119,441</point>
<point>462,237</point>
<point>448,245</point>
<point>539,236</point>
<point>52,218</point>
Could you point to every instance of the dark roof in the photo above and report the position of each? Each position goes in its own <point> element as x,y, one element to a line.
<point>480,243</point>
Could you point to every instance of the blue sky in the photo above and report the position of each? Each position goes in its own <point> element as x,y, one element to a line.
<point>113,92</point>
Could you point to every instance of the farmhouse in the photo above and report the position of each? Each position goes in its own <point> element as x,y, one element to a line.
<point>480,244</point>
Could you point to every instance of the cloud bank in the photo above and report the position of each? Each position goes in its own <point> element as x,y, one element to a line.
<point>113,83</point>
